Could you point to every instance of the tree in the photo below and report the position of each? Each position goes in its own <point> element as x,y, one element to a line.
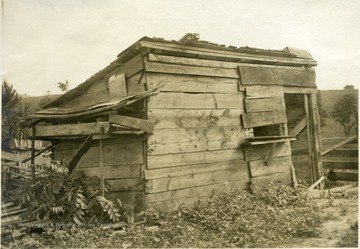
<point>63,86</point>
<point>12,112</point>
<point>344,112</point>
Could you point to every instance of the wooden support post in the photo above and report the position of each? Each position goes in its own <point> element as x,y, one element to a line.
<point>102,179</point>
<point>82,150</point>
<point>271,153</point>
<point>316,138</point>
<point>33,153</point>
<point>308,134</point>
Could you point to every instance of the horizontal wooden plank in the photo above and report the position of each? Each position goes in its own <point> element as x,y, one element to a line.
<point>258,183</point>
<point>196,101</point>
<point>119,154</point>
<point>264,91</point>
<point>274,75</point>
<point>136,123</point>
<point>126,184</point>
<point>260,152</point>
<point>271,141</point>
<point>175,160</point>
<point>191,70</point>
<point>190,195</point>
<point>115,171</point>
<point>196,139</point>
<point>340,163</point>
<point>190,169</point>
<point>12,156</point>
<point>344,176</point>
<point>81,129</point>
<point>193,83</point>
<point>251,120</point>
<point>234,171</point>
<point>279,165</point>
<point>300,90</point>
<point>186,118</point>
<point>264,104</point>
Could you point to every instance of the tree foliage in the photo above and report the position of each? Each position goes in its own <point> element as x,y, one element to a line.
<point>344,112</point>
<point>63,86</point>
<point>12,111</point>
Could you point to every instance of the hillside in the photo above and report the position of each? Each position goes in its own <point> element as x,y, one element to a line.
<point>35,102</point>
<point>328,99</point>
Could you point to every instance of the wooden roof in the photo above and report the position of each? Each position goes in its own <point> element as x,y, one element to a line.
<point>195,48</point>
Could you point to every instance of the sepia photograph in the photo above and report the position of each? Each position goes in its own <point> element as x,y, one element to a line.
<point>179,124</point>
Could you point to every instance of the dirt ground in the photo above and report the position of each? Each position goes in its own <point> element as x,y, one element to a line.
<point>340,229</point>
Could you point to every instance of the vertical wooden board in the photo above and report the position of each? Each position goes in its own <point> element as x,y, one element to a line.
<point>195,101</point>
<point>275,75</point>
<point>259,91</point>
<point>279,165</point>
<point>117,86</point>
<point>260,152</point>
<point>251,120</point>
<point>174,160</point>
<point>264,105</point>
<point>187,83</point>
<point>118,154</point>
<point>181,118</point>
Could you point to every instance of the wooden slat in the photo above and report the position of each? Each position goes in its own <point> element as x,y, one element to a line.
<point>235,171</point>
<point>271,141</point>
<point>81,129</point>
<point>264,91</point>
<point>273,75</point>
<point>193,83</point>
<point>340,163</point>
<point>279,165</point>
<point>260,152</point>
<point>196,101</point>
<point>180,118</point>
<point>174,160</point>
<point>344,176</point>
<point>264,105</point>
<point>81,151</point>
<point>118,154</point>
<point>298,128</point>
<point>115,171</point>
<point>348,140</point>
<point>117,86</point>
<point>189,169</point>
<point>251,120</point>
<point>191,70</point>
<point>136,123</point>
<point>126,184</point>
<point>187,140</point>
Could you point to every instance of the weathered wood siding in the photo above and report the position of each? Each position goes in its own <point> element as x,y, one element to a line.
<point>196,144</point>
<point>123,162</point>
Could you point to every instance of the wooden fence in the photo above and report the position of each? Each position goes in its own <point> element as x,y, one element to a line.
<point>341,155</point>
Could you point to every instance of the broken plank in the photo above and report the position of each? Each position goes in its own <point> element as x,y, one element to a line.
<point>274,75</point>
<point>80,129</point>
<point>136,123</point>
<point>264,105</point>
<point>196,101</point>
<point>175,160</point>
<point>279,165</point>
<point>251,120</point>
<point>191,70</point>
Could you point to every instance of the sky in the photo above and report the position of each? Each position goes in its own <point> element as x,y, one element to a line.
<point>49,41</point>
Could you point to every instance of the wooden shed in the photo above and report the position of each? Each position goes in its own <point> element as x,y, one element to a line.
<point>173,121</point>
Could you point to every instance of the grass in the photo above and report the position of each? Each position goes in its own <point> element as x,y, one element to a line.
<point>233,219</point>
